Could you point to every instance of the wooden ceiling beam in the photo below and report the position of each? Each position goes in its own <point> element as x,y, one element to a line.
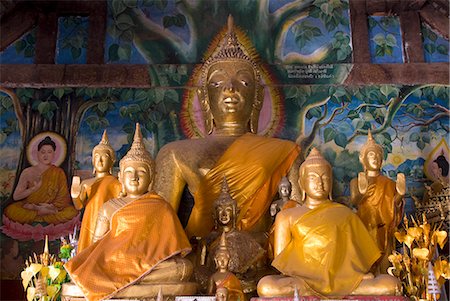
<point>438,21</point>
<point>136,76</point>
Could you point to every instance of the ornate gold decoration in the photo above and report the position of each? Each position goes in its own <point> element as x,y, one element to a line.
<point>138,152</point>
<point>420,242</point>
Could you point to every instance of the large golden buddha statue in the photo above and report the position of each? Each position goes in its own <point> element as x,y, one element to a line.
<point>138,240</point>
<point>379,200</point>
<point>322,247</point>
<point>92,193</point>
<point>231,96</point>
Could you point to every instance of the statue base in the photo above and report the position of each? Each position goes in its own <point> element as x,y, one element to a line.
<point>341,298</point>
<point>142,291</point>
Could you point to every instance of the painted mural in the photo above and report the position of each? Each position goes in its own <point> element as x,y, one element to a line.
<point>307,51</point>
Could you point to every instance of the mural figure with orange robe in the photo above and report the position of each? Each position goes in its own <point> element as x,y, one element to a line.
<point>379,200</point>
<point>231,96</point>
<point>42,194</point>
<point>321,247</point>
<point>92,193</point>
<point>223,277</point>
<point>138,240</point>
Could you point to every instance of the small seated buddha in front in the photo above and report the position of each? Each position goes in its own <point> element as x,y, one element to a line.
<point>223,278</point>
<point>138,241</point>
<point>322,247</point>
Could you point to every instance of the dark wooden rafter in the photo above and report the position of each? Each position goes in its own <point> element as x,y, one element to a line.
<point>360,31</point>
<point>20,20</point>
<point>46,38</point>
<point>411,37</point>
<point>437,21</point>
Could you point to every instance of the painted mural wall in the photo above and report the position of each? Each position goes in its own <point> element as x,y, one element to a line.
<point>307,53</point>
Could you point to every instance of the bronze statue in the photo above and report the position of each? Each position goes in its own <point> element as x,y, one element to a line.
<point>231,96</point>
<point>246,254</point>
<point>284,202</point>
<point>379,200</point>
<point>92,193</point>
<point>139,239</point>
<point>223,277</point>
<point>322,236</point>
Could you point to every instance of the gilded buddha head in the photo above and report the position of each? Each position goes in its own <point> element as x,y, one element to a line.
<point>315,177</point>
<point>371,155</point>
<point>231,93</point>
<point>225,208</point>
<point>103,156</point>
<point>137,168</point>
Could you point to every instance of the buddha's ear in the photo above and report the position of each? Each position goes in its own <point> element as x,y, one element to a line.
<point>207,115</point>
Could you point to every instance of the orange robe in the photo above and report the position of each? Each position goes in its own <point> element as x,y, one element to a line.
<point>54,191</point>
<point>380,215</point>
<point>330,249</point>
<point>143,233</point>
<point>233,285</point>
<point>253,166</point>
<point>102,190</point>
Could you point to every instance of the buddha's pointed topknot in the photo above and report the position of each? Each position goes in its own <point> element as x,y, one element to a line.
<point>104,145</point>
<point>223,242</point>
<point>138,152</point>
<point>225,188</point>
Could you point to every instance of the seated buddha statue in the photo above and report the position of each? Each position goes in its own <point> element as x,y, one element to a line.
<point>379,200</point>
<point>246,254</point>
<point>139,242</point>
<point>93,192</point>
<point>223,278</point>
<point>42,194</point>
<point>322,247</point>
<point>231,97</point>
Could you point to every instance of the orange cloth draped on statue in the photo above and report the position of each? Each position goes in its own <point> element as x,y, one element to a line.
<point>378,209</point>
<point>253,166</point>
<point>330,249</point>
<point>233,285</point>
<point>102,190</point>
<point>143,233</point>
<point>53,191</point>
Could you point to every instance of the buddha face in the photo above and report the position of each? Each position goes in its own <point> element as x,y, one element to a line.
<point>231,91</point>
<point>373,160</point>
<point>285,190</point>
<point>46,154</point>
<point>222,259</point>
<point>316,181</point>
<point>102,161</point>
<point>135,178</point>
<point>224,214</point>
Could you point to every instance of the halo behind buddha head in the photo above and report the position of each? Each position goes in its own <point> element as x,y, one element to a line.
<point>230,48</point>
<point>232,44</point>
<point>138,153</point>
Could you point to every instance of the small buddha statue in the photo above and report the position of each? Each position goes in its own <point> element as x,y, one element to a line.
<point>231,97</point>
<point>246,254</point>
<point>93,192</point>
<point>223,277</point>
<point>138,241</point>
<point>322,247</point>
<point>221,294</point>
<point>379,200</point>
<point>284,202</point>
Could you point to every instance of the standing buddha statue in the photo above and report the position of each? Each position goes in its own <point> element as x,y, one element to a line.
<point>379,200</point>
<point>231,97</point>
<point>138,241</point>
<point>93,192</point>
